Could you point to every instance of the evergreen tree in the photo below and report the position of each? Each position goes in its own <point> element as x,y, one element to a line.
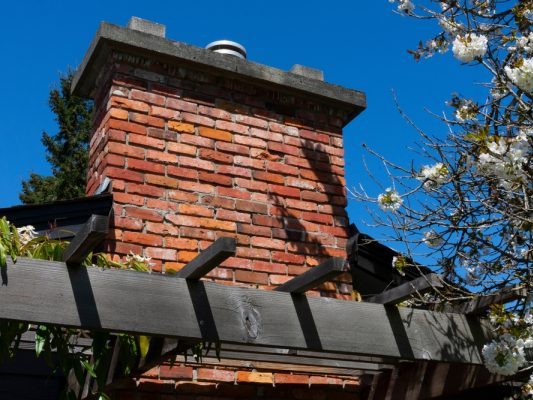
<point>66,150</point>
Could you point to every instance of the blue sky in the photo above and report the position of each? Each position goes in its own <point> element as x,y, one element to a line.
<point>358,44</point>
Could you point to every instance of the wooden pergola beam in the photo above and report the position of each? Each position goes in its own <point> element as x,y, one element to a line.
<point>406,290</point>
<point>209,259</point>
<point>481,303</point>
<point>315,276</point>
<point>90,235</point>
<point>46,292</point>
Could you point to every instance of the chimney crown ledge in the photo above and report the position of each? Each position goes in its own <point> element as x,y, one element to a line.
<point>109,37</point>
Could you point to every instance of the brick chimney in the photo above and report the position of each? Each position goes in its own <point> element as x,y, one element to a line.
<point>200,145</point>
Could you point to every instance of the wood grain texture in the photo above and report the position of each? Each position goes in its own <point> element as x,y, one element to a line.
<point>128,301</point>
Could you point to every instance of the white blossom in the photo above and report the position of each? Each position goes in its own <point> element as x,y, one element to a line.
<point>504,356</point>
<point>26,233</point>
<point>469,47</point>
<point>465,113</point>
<point>390,200</point>
<point>406,6</point>
<point>522,76</point>
<point>433,176</point>
<point>432,239</point>
<point>450,26</point>
<point>132,257</point>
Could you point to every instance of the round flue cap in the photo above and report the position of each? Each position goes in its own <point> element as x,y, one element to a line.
<point>227,47</point>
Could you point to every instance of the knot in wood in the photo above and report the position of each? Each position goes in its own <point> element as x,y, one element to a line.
<point>251,319</point>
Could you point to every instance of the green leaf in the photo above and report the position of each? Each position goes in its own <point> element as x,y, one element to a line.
<point>144,345</point>
<point>40,339</point>
<point>89,368</point>
<point>103,396</point>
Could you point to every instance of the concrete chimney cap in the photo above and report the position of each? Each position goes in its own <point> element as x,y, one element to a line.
<point>227,47</point>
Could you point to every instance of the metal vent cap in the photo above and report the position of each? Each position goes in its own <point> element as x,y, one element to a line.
<point>227,47</point>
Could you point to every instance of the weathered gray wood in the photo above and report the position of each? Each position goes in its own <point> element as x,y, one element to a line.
<point>400,293</point>
<point>91,234</point>
<point>158,305</point>
<point>481,303</point>
<point>314,277</point>
<point>208,259</point>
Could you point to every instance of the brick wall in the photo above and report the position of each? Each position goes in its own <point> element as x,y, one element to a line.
<point>194,156</point>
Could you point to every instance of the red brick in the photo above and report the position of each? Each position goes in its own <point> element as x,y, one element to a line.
<point>198,119</point>
<point>233,216</point>
<point>301,205</point>
<point>215,134</point>
<point>291,379</point>
<point>116,136</point>
<point>124,174</point>
<point>144,214</point>
<point>164,113</point>
<point>244,119</point>
<point>159,180</point>
<point>197,163</point>
<point>162,134</point>
<point>324,380</point>
<point>273,166</point>
<point>127,126</point>
<point>161,229</point>
<point>236,171</point>
<point>132,224</point>
<point>283,148</point>
<point>129,104</point>
<point>198,222</point>
<point>117,113</point>
<point>144,119</point>
<point>255,377</point>
<point>266,266</point>
<point>143,238</point>
<point>251,185</point>
<point>315,197</point>
<point>213,155</point>
<point>125,150</point>
<point>181,243</point>
<point>254,230</point>
<point>218,202</point>
<point>249,141</point>
<point>276,137</point>
<point>161,254</point>
<point>279,256</point>
<point>232,148</point>
<point>146,141</point>
<point>231,126</point>
<point>246,252</point>
<point>214,112</point>
<point>251,277</point>
<point>185,256</point>
<point>268,177</point>
<point>268,243</point>
<point>181,172</point>
<point>264,220</point>
<point>192,209</point>
<point>205,374</point>
<point>145,166</point>
<point>249,162</point>
<point>181,105</point>
<point>243,205</point>
<point>197,141</point>
<point>161,157</point>
<point>197,233</point>
<point>284,191</point>
<point>303,183</point>
<point>175,372</point>
<point>122,248</point>
<point>146,190</point>
<point>181,148</point>
<point>183,196</point>
<point>235,193</point>
<point>215,178</point>
<point>196,187</point>
<point>147,97</point>
<point>314,136</point>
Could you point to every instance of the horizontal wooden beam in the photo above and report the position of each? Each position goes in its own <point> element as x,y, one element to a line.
<point>208,259</point>
<point>406,290</point>
<point>314,277</point>
<point>91,234</point>
<point>158,305</point>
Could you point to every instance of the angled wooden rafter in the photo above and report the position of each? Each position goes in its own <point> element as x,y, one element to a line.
<point>91,234</point>
<point>406,290</point>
